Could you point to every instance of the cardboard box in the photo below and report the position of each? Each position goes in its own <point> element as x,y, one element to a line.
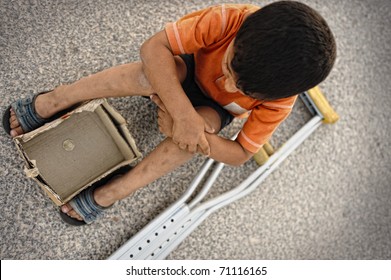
<point>73,152</point>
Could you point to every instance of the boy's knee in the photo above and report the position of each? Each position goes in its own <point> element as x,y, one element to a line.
<point>211,117</point>
<point>181,68</point>
<point>143,81</point>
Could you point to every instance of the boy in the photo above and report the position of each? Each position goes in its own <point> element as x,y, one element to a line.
<point>208,67</point>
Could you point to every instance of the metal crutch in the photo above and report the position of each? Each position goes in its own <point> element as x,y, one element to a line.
<point>163,234</point>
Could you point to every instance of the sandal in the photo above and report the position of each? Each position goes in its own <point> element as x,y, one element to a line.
<point>25,113</point>
<point>84,203</point>
<point>27,116</point>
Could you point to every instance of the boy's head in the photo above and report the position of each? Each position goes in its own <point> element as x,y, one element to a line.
<point>281,50</point>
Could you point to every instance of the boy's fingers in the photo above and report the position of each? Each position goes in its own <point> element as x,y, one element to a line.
<point>156,99</point>
<point>182,146</point>
<point>192,149</point>
<point>160,113</point>
<point>204,146</point>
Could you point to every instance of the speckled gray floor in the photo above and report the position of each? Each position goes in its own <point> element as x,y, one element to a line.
<point>330,200</point>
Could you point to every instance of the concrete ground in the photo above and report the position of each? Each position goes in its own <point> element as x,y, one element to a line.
<point>329,200</point>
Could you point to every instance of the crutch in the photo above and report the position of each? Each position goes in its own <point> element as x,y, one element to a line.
<point>163,234</point>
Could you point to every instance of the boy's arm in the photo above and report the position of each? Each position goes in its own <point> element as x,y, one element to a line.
<point>222,150</point>
<point>227,151</point>
<point>160,70</point>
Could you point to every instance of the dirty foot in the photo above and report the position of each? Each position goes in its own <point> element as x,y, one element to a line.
<point>44,108</point>
<point>45,105</point>
<point>104,197</point>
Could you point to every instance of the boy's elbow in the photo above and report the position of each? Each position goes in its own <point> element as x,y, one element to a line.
<point>238,163</point>
<point>243,158</point>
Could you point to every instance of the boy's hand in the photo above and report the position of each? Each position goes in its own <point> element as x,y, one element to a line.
<point>160,69</point>
<point>188,133</point>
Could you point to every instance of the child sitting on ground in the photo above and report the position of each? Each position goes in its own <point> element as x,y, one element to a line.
<point>203,70</point>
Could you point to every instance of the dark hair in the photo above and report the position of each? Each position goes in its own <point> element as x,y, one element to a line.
<point>281,50</point>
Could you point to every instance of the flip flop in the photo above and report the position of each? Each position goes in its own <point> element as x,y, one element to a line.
<point>84,203</point>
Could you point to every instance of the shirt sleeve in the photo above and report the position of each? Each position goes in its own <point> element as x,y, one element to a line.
<point>196,30</point>
<point>263,121</point>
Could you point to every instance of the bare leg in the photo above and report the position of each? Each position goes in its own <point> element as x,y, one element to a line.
<point>124,80</point>
<point>118,81</point>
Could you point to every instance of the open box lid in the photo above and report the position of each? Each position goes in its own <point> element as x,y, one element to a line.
<point>71,153</point>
